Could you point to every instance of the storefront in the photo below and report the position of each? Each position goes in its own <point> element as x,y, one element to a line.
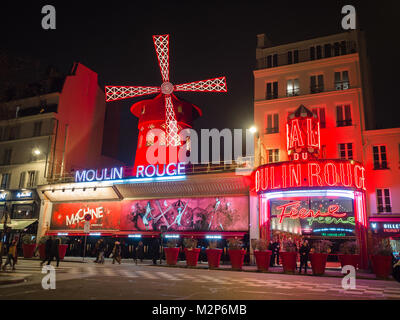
<point>388,228</point>
<point>308,197</point>
<point>133,209</point>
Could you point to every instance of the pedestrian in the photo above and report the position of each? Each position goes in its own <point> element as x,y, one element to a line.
<point>11,256</point>
<point>101,249</point>
<point>140,252</point>
<point>304,252</point>
<point>96,251</point>
<point>116,253</point>
<point>47,249</point>
<point>54,251</point>
<point>276,248</point>
<point>271,248</point>
<point>1,253</point>
<point>155,250</point>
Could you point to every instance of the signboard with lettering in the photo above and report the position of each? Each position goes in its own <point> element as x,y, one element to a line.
<point>389,228</point>
<point>333,216</point>
<point>112,174</point>
<point>182,214</point>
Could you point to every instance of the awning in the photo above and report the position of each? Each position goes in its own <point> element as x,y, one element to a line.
<point>19,224</point>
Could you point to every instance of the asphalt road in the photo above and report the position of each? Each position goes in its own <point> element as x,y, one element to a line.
<point>90,281</point>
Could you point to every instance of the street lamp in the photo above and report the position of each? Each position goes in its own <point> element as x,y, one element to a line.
<point>36,152</point>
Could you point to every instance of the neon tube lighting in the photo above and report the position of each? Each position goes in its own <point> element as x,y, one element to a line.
<point>309,193</point>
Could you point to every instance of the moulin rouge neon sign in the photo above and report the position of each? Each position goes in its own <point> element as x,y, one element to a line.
<point>150,171</point>
<point>317,173</point>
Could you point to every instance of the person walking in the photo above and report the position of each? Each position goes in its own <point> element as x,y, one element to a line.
<point>54,251</point>
<point>11,256</point>
<point>155,250</point>
<point>304,252</point>
<point>271,248</point>
<point>276,248</point>
<point>101,249</point>
<point>47,249</point>
<point>139,252</point>
<point>96,251</point>
<point>116,253</point>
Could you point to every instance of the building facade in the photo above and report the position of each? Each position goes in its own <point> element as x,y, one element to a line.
<point>330,77</point>
<point>46,137</point>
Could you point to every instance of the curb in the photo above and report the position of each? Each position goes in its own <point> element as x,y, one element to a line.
<point>11,281</point>
<point>267,272</point>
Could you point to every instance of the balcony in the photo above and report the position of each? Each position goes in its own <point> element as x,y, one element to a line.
<point>271,130</point>
<point>342,85</point>
<point>385,209</point>
<point>381,165</point>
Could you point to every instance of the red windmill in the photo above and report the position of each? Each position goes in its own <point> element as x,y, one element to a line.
<point>165,111</point>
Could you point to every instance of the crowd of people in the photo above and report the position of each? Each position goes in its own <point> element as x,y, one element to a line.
<point>303,249</point>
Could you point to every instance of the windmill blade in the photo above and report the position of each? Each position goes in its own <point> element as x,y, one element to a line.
<point>210,85</point>
<point>171,125</point>
<point>161,44</point>
<point>122,92</point>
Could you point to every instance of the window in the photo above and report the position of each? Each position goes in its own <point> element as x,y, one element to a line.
<point>380,159</point>
<point>22,180</point>
<point>319,52</point>
<point>383,200</point>
<point>37,128</point>
<point>24,211</point>
<point>32,175</point>
<point>328,50</point>
<point>7,156</point>
<point>292,88</point>
<point>343,48</point>
<point>13,133</point>
<point>346,151</point>
<point>312,53</point>
<point>293,56</point>
<point>5,180</point>
<point>336,48</point>
<point>273,155</point>
<point>342,80</point>
<point>320,112</point>
<point>272,60</point>
<point>275,60</point>
<point>343,116</point>
<point>272,123</point>
<point>272,90</point>
<point>317,83</point>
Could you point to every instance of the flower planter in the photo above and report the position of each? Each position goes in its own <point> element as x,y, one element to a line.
<point>237,258</point>
<point>62,250</point>
<point>382,266</point>
<point>192,256</point>
<point>213,257</point>
<point>28,250</point>
<point>263,259</point>
<point>318,263</point>
<point>171,255</point>
<point>349,259</point>
<point>289,260</point>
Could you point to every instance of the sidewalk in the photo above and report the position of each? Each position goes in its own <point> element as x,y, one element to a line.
<point>332,270</point>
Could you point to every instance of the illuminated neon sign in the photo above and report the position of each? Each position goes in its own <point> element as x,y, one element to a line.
<point>146,173</point>
<point>294,212</point>
<point>316,173</point>
<point>24,194</point>
<point>99,175</point>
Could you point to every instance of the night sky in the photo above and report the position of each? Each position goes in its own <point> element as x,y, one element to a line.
<point>207,39</point>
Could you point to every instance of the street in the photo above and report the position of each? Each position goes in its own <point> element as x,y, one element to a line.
<point>146,282</point>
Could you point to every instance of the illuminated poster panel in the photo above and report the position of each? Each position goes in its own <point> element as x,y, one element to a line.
<point>317,216</point>
<point>181,214</point>
<point>187,214</point>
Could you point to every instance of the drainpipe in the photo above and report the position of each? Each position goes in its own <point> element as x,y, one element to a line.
<point>63,154</point>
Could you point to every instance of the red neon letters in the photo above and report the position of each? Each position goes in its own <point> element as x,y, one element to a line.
<point>318,173</point>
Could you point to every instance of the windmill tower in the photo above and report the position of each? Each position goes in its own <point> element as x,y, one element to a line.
<point>165,112</point>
